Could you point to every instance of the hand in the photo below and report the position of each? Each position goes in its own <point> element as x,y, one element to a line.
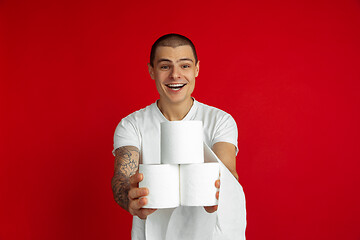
<point>135,202</point>
<point>211,209</point>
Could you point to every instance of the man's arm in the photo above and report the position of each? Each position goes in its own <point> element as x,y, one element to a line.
<point>126,165</point>
<point>125,182</point>
<point>226,152</point>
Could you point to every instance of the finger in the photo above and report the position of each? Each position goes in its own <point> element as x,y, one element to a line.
<point>217,183</point>
<point>138,203</point>
<point>217,195</point>
<point>144,212</point>
<point>147,211</point>
<point>136,178</point>
<point>211,209</point>
<point>140,215</point>
<point>138,192</point>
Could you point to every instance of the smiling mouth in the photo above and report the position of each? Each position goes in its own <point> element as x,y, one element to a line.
<point>176,86</point>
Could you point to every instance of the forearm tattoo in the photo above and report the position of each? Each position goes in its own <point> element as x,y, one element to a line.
<point>126,164</point>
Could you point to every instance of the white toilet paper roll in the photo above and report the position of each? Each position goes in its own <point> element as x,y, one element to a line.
<point>182,142</point>
<point>197,184</point>
<point>163,184</point>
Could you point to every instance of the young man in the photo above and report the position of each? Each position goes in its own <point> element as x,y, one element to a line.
<point>174,67</point>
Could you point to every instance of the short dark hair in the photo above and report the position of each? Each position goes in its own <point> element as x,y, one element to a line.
<point>171,40</point>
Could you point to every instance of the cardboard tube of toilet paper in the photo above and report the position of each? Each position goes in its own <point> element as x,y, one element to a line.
<point>197,184</point>
<point>163,184</point>
<point>182,142</point>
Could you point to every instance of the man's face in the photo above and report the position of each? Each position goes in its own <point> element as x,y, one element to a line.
<point>174,72</point>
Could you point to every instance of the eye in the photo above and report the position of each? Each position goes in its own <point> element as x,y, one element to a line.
<point>186,66</point>
<point>164,67</point>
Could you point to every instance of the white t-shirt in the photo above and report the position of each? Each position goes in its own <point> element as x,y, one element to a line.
<point>142,130</point>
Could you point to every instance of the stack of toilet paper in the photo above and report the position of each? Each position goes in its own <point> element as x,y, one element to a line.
<point>182,178</point>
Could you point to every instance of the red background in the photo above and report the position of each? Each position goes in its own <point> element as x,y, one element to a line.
<point>287,71</point>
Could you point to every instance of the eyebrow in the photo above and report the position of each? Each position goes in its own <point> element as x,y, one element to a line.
<point>167,60</point>
<point>185,59</point>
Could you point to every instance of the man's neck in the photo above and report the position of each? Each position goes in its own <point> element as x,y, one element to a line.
<point>175,112</point>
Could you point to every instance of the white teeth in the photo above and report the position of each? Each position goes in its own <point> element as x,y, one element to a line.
<point>175,85</point>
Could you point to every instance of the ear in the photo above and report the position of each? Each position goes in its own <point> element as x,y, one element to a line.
<point>197,66</point>
<point>151,71</point>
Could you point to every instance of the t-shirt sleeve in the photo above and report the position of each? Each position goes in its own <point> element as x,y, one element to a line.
<point>226,131</point>
<point>126,134</point>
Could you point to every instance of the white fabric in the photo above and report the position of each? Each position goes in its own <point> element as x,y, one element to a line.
<point>142,130</point>
<point>183,223</point>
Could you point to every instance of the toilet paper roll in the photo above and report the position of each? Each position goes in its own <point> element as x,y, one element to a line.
<point>182,142</point>
<point>163,184</point>
<point>197,184</point>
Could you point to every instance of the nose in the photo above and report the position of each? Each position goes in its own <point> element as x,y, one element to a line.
<point>175,74</point>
